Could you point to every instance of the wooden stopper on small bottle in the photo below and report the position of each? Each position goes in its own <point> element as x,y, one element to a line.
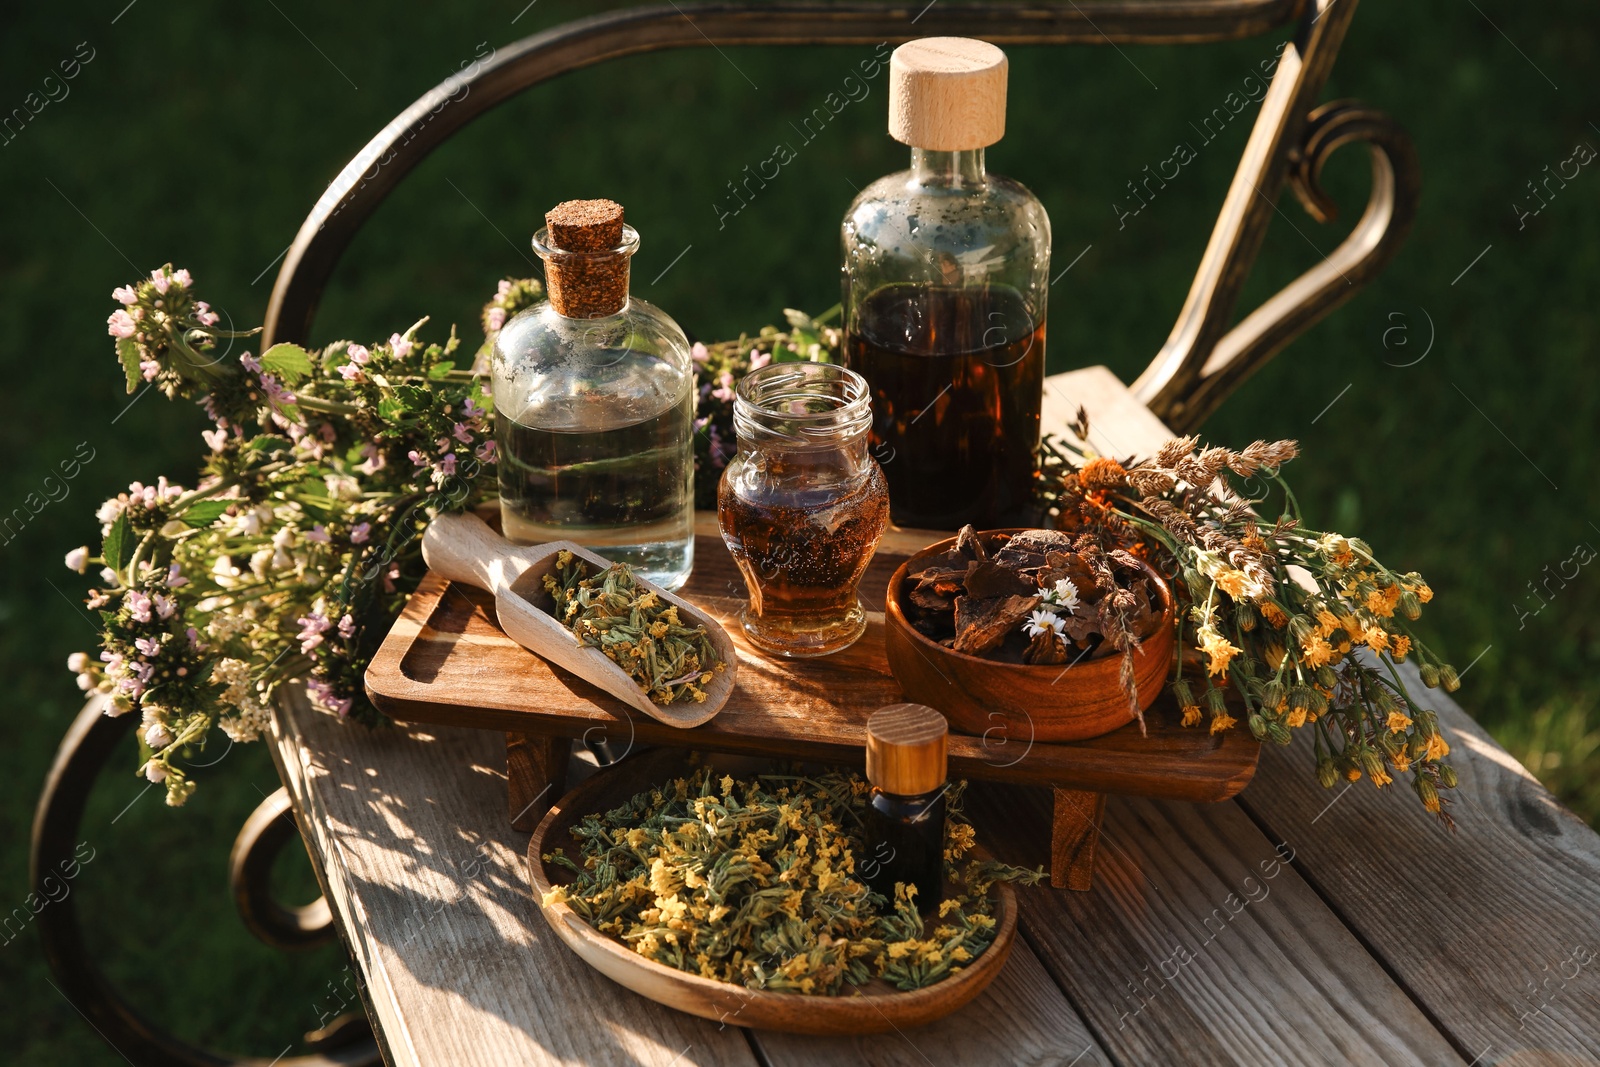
<point>586,273</point>
<point>947,94</point>
<point>907,749</point>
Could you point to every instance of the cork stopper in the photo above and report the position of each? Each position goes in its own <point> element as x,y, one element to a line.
<point>947,94</point>
<point>907,746</point>
<point>586,249</point>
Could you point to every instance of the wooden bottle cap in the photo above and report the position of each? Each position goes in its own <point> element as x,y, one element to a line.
<point>586,263</point>
<point>947,94</point>
<point>907,749</point>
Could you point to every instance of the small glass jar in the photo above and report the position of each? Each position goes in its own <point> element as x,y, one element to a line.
<point>594,407</point>
<point>802,505</point>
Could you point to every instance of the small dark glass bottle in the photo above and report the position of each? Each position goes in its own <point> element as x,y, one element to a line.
<point>906,758</point>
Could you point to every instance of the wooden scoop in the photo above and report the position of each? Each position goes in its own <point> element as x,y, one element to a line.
<point>464,549</point>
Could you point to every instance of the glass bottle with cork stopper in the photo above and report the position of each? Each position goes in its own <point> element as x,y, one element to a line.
<point>907,752</point>
<point>945,275</point>
<point>594,405</point>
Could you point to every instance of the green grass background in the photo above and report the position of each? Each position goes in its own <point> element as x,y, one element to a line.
<point>202,134</point>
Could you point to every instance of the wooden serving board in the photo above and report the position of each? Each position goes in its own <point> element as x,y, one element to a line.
<point>446,662</point>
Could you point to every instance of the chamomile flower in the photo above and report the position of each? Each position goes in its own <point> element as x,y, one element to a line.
<point>1042,621</point>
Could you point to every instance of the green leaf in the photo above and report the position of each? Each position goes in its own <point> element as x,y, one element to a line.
<point>128,353</point>
<point>390,409</point>
<point>289,362</point>
<point>119,544</point>
<point>268,443</point>
<point>414,397</point>
<point>439,371</point>
<point>203,513</point>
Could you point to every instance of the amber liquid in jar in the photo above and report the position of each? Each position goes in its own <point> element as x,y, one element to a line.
<point>956,376</point>
<point>802,553</point>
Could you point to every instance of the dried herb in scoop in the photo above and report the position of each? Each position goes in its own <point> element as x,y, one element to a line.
<point>671,660</point>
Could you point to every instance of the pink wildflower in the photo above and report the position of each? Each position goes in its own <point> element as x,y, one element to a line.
<point>120,324</point>
<point>360,532</point>
<point>400,345</point>
<point>124,294</point>
<point>312,628</point>
<point>138,605</point>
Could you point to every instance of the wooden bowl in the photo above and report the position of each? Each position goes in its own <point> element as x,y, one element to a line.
<point>1045,703</point>
<point>872,1008</point>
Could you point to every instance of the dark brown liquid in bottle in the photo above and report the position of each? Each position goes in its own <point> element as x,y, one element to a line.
<point>957,376</point>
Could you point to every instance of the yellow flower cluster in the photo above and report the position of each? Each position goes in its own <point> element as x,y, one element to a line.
<point>1289,651</point>
<point>753,882</point>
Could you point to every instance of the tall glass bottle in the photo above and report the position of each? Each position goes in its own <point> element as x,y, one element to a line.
<point>946,270</point>
<point>594,406</point>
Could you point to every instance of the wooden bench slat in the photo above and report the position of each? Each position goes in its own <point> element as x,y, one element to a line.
<point>1198,936</point>
<point>1480,925</point>
<point>1022,1018</point>
<point>409,831</point>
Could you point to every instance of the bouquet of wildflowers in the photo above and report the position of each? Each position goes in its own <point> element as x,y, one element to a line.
<point>300,540</point>
<point>1301,627</point>
<point>299,536</point>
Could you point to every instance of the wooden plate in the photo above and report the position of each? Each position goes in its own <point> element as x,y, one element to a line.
<point>868,1009</point>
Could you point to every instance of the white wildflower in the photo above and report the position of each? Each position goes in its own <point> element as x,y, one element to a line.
<point>1063,597</point>
<point>227,624</point>
<point>224,573</point>
<point>249,725</point>
<point>154,771</point>
<point>342,487</point>
<point>156,736</point>
<point>1043,622</point>
<point>78,559</point>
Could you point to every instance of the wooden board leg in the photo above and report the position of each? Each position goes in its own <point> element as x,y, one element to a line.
<point>536,776</point>
<point>1074,834</point>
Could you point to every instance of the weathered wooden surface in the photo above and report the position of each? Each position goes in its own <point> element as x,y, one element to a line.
<point>1383,940</point>
<point>409,831</point>
<point>1496,928</point>
<point>1198,935</point>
